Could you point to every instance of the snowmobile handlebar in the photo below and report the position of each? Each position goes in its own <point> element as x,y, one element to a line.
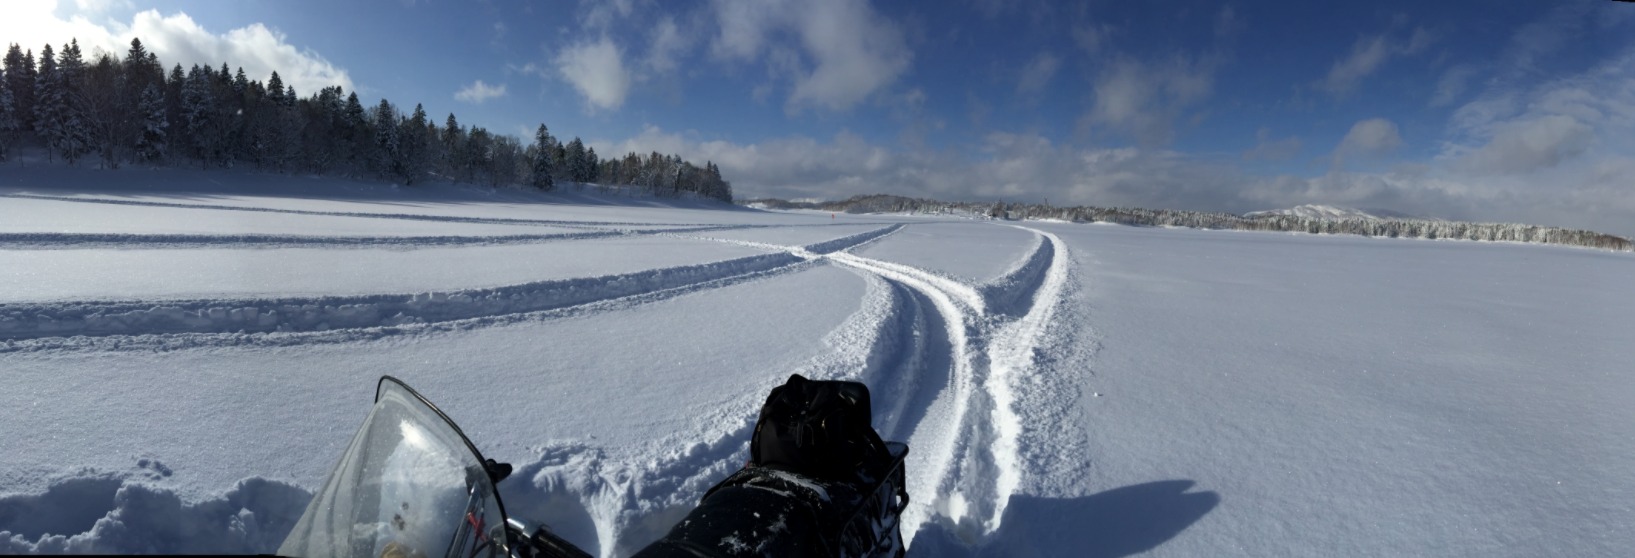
<point>539,542</point>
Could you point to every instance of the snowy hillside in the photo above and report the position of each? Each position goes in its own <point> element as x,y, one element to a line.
<point>186,354</point>
<point>1314,211</point>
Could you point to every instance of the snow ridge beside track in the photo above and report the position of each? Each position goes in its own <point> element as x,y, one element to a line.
<point>945,361</point>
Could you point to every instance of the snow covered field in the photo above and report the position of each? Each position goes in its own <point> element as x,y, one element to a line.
<point>184,364</point>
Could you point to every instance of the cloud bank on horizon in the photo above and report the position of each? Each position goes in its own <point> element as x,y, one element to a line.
<point>1456,110</point>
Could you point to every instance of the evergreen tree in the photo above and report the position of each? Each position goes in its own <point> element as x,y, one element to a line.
<point>75,138</point>
<point>137,74</point>
<point>358,141</point>
<point>20,77</point>
<point>412,146</point>
<point>540,175</point>
<point>559,161</point>
<point>107,116</point>
<point>9,123</point>
<point>48,102</point>
<point>279,125</point>
<point>151,142</point>
<point>275,88</point>
<point>197,113</point>
<point>593,167</point>
<point>141,70</point>
<point>478,156</point>
<point>388,155</point>
<point>453,148</point>
<point>320,132</point>
<point>128,107</point>
<point>576,161</point>
<point>156,71</point>
<point>507,161</point>
<point>289,124</point>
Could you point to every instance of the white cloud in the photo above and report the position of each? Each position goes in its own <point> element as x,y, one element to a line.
<point>853,50</point>
<point>666,43</point>
<point>1037,74</point>
<point>596,69</point>
<point>1528,145</point>
<point>834,53</point>
<point>100,6</point>
<point>1015,167</point>
<point>478,92</point>
<point>1520,155</point>
<point>1367,55</point>
<point>1144,98</point>
<point>744,25</point>
<point>1375,136</point>
<point>1029,167</point>
<point>1565,125</point>
<point>1558,152</point>
<point>176,39</point>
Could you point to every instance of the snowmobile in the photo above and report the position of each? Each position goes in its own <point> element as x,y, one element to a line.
<point>819,482</point>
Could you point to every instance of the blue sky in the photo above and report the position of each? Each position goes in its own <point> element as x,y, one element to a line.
<point>1494,110</point>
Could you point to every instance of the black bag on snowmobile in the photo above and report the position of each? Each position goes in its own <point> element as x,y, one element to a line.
<point>820,482</point>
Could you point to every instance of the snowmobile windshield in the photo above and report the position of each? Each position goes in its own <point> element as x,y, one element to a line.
<point>410,485</point>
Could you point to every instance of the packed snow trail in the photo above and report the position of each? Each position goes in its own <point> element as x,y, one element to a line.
<point>951,478</point>
<point>1011,359</point>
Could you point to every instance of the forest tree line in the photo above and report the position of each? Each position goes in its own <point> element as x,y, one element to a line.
<point>1386,227</point>
<point>129,110</point>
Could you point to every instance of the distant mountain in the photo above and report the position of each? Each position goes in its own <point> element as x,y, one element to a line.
<point>1319,211</point>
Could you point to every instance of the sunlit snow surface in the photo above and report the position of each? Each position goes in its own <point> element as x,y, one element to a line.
<point>1068,390</point>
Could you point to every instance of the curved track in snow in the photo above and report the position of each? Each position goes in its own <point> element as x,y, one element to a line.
<point>977,342</point>
<point>35,326</point>
<point>943,360</point>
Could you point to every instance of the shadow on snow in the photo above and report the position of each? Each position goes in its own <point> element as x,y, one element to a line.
<point>1118,522</point>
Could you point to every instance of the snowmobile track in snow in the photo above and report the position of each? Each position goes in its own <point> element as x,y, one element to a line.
<point>943,360</point>
<point>146,324</point>
<point>954,354</point>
